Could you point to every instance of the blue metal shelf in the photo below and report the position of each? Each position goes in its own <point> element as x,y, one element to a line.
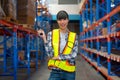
<point>99,15</point>
<point>16,39</point>
<point>12,42</point>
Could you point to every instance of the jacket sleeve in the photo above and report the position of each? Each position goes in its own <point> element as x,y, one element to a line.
<point>48,45</point>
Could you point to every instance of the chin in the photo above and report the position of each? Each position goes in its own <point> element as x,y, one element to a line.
<point>63,28</point>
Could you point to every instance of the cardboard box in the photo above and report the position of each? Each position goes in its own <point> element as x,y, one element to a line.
<point>21,55</point>
<point>26,15</point>
<point>104,31</point>
<point>33,64</point>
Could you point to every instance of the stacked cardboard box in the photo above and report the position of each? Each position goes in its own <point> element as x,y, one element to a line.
<point>9,8</point>
<point>12,8</point>
<point>26,11</point>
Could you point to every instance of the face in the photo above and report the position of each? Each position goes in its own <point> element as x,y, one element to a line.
<point>63,23</point>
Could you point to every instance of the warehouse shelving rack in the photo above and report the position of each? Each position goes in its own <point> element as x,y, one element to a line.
<point>43,21</point>
<point>12,43</point>
<point>95,45</point>
<point>18,39</point>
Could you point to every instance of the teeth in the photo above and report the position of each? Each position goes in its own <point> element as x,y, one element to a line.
<point>63,24</point>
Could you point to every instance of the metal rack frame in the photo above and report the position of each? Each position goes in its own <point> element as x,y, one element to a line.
<point>91,43</point>
<point>14,32</point>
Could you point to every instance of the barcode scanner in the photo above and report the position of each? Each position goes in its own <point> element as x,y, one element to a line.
<point>41,33</point>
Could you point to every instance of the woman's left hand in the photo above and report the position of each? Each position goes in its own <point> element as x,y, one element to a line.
<point>55,58</point>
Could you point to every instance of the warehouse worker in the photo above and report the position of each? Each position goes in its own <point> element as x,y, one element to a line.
<point>62,48</point>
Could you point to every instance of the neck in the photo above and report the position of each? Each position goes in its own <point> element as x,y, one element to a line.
<point>64,30</point>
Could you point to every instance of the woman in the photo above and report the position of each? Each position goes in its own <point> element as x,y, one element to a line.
<point>62,47</point>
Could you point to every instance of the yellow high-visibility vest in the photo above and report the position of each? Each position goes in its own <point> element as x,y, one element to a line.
<point>64,65</point>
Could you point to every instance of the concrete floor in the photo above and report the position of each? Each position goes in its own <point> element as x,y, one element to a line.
<point>84,72</point>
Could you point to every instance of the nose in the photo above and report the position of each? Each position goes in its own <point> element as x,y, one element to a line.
<point>62,20</point>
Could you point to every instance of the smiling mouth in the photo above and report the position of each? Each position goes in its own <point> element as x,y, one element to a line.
<point>62,25</point>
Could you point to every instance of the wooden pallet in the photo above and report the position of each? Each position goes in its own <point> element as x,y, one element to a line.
<point>10,19</point>
<point>27,26</point>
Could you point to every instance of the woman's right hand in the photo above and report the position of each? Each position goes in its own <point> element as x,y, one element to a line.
<point>41,33</point>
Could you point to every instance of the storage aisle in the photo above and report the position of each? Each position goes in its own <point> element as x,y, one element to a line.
<point>84,72</point>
